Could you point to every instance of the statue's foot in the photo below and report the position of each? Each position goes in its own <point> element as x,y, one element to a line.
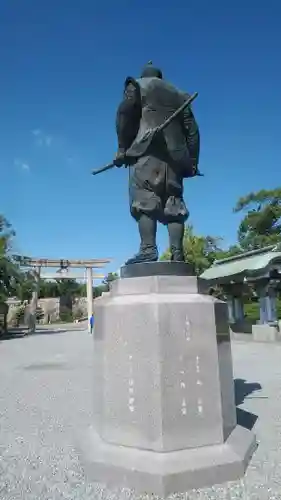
<point>143,257</point>
<point>177,256</point>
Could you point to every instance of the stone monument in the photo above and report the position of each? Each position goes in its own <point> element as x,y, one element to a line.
<point>164,407</point>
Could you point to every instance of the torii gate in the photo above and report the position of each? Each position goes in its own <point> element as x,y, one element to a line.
<point>63,266</point>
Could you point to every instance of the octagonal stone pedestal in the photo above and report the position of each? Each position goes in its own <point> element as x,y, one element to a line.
<point>164,409</point>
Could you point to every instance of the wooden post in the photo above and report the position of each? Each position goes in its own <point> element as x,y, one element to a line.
<point>34,300</point>
<point>89,272</point>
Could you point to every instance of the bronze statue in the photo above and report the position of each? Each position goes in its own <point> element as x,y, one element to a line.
<point>160,157</point>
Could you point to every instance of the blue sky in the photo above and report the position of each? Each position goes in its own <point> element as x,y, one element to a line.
<point>63,64</point>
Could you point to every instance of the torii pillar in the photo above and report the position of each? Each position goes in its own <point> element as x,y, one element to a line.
<point>34,300</point>
<point>89,272</point>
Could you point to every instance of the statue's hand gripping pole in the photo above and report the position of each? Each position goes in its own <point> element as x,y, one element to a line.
<point>151,133</point>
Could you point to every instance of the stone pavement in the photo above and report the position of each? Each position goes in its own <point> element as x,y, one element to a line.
<point>45,398</point>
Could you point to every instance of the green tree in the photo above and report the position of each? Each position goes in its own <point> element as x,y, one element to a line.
<point>25,286</point>
<point>10,275</point>
<point>229,252</point>
<point>261,224</point>
<point>48,289</point>
<point>98,290</point>
<point>201,251</point>
<point>108,280</point>
<point>61,287</point>
<point>67,287</point>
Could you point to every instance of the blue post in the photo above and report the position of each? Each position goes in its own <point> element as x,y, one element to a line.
<point>238,309</point>
<point>267,302</point>
<point>234,294</point>
<point>263,309</point>
<point>271,306</point>
<point>231,309</point>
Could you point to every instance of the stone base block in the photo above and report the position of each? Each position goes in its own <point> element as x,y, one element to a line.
<point>265,333</point>
<point>166,473</point>
<point>241,327</point>
<point>164,414</point>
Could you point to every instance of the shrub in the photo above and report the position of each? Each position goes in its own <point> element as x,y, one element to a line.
<point>252,312</point>
<point>66,316</point>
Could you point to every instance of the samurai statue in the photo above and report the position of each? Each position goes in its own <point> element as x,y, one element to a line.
<point>157,167</point>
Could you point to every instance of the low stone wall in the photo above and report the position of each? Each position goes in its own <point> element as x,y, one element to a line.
<point>13,304</point>
<point>80,305</point>
<point>52,308</point>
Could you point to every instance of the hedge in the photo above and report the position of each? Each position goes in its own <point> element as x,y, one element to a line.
<point>252,310</point>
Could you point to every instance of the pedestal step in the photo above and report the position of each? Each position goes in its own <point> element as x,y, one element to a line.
<point>166,473</point>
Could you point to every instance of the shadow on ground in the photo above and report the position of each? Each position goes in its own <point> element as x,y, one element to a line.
<point>63,329</point>
<point>13,333</point>
<point>242,326</point>
<point>244,390</point>
<point>16,333</point>
<point>48,331</point>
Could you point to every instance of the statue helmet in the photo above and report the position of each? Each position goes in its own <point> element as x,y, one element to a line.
<point>150,71</point>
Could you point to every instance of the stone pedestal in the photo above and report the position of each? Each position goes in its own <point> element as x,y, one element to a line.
<point>164,410</point>
<point>266,333</point>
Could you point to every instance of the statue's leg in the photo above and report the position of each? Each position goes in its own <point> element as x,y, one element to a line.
<point>148,250</point>
<point>176,234</point>
<point>176,214</point>
<point>145,205</point>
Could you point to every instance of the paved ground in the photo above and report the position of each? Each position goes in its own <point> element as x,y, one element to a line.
<point>45,396</point>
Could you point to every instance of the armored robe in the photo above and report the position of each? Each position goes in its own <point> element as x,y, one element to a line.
<point>158,167</point>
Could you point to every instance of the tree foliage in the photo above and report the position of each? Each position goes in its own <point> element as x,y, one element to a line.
<point>108,280</point>
<point>10,275</point>
<point>261,224</point>
<point>72,288</point>
<point>229,252</point>
<point>200,251</point>
<point>25,286</point>
<point>60,288</point>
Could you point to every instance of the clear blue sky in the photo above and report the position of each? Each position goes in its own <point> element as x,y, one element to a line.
<point>63,63</point>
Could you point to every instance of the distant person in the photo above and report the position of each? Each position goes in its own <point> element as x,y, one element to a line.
<point>92,323</point>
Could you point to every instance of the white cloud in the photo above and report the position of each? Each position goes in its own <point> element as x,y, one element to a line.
<point>41,138</point>
<point>36,132</point>
<point>23,165</point>
<point>48,140</point>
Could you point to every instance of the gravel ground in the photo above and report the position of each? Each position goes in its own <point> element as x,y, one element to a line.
<point>45,396</point>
